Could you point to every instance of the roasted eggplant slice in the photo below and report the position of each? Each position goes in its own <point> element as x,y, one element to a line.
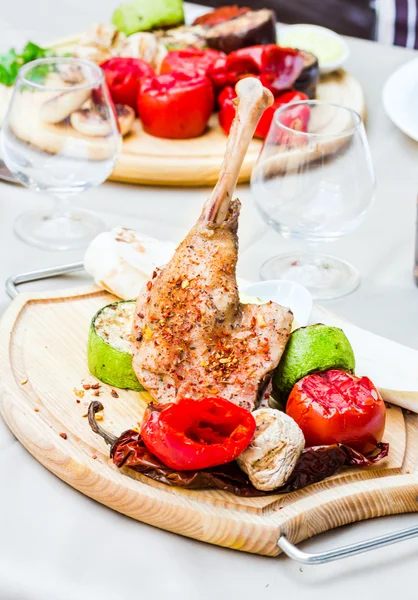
<point>249,29</point>
<point>308,79</point>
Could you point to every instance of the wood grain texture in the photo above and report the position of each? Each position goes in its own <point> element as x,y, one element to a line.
<point>43,360</point>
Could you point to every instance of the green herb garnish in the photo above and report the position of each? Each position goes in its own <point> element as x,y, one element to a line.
<point>10,62</point>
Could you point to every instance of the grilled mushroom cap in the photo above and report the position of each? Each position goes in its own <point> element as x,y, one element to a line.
<point>274,450</point>
<point>146,46</point>
<point>126,117</point>
<point>90,121</point>
<point>60,107</point>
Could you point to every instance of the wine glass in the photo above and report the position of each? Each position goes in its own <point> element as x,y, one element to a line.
<point>314,181</point>
<point>60,136</point>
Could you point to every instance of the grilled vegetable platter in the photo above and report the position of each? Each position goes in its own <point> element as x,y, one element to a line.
<point>238,401</point>
<point>172,85</point>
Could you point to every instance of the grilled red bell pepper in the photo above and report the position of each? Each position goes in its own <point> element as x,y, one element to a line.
<point>227,111</point>
<point>190,60</point>
<point>175,105</point>
<point>299,112</point>
<point>197,434</point>
<point>276,67</point>
<point>123,76</point>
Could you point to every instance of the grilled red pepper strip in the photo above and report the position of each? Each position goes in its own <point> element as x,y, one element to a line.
<point>197,434</point>
<point>175,105</point>
<point>276,67</point>
<point>227,111</point>
<point>123,76</point>
<point>190,60</point>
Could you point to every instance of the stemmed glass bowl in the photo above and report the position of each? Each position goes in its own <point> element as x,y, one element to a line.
<point>314,181</point>
<point>60,136</point>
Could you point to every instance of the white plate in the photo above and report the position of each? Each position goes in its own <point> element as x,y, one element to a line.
<point>284,292</point>
<point>400,98</point>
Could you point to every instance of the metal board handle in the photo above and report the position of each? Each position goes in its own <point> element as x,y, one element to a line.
<point>319,558</point>
<point>15,280</point>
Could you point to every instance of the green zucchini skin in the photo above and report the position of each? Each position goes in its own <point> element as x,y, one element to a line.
<point>107,363</point>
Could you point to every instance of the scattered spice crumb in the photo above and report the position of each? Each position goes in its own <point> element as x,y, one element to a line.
<point>64,436</point>
<point>114,394</point>
<point>78,401</point>
<point>95,386</point>
<point>79,393</point>
<point>84,416</point>
<point>86,386</point>
<point>96,393</point>
<point>36,409</point>
<point>94,456</point>
<point>24,382</point>
<point>99,417</point>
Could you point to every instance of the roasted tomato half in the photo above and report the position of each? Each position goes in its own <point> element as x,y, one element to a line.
<point>335,406</point>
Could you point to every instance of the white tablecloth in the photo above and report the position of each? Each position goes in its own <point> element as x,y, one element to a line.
<point>56,544</point>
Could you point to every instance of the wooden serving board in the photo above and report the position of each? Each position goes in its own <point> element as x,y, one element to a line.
<point>194,162</point>
<point>43,360</point>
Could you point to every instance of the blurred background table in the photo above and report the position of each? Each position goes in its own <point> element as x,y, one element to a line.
<point>56,544</point>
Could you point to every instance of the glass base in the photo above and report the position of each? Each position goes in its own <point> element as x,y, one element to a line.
<point>45,230</point>
<point>326,277</point>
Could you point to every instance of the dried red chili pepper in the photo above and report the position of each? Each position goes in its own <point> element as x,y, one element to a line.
<point>314,465</point>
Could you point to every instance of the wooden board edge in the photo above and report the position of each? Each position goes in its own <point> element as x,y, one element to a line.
<point>248,532</point>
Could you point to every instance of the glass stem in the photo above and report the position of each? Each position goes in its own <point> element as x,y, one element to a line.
<point>309,252</point>
<point>61,208</point>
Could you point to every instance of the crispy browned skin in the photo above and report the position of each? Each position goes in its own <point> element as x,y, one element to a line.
<point>193,336</point>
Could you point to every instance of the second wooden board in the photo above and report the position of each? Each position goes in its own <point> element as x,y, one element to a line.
<point>194,162</point>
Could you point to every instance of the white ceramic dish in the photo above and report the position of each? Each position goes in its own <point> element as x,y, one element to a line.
<point>400,98</point>
<point>284,292</point>
<point>308,37</point>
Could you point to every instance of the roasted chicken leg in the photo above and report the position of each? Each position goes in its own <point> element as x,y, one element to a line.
<point>193,337</point>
